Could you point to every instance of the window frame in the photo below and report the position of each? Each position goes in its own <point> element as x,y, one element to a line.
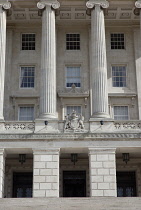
<point>73,66</point>
<point>119,65</point>
<point>22,42</point>
<point>121,106</point>
<point>27,77</point>
<point>26,105</point>
<point>117,41</point>
<point>70,50</point>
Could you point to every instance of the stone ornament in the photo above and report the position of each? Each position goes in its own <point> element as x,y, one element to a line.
<point>92,3</point>
<point>43,3</point>
<point>5,5</point>
<point>74,122</point>
<point>138,4</point>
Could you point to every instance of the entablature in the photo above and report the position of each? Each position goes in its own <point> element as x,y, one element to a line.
<point>71,10</point>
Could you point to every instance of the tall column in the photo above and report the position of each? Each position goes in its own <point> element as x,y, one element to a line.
<point>98,59</point>
<point>102,172</point>
<point>48,60</point>
<point>4,5</point>
<point>46,173</point>
<point>2,172</point>
<point>137,47</point>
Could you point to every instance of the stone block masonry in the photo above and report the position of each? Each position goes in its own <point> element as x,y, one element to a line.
<point>102,172</point>
<point>46,173</point>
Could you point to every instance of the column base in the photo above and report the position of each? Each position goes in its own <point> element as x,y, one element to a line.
<point>46,126</point>
<point>100,115</point>
<point>48,116</point>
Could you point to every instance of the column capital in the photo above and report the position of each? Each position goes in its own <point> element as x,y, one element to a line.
<point>92,3</point>
<point>52,3</point>
<point>5,4</point>
<point>138,4</point>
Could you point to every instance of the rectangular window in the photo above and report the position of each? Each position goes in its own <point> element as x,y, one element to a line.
<point>121,113</point>
<point>73,76</point>
<point>119,76</point>
<point>27,76</point>
<point>70,109</point>
<point>28,41</point>
<point>72,41</point>
<point>26,113</point>
<point>117,41</point>
<point>126,184</point>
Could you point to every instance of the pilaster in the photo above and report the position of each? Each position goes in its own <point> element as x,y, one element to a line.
<point>98,59</point>
<point>46,173</point>
<point>4,5</point>
<point>2,172</point>
<point>102,166</point>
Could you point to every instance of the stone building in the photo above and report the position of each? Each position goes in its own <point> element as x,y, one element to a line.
<point>70,98</point>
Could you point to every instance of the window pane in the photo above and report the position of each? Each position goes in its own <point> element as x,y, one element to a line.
<point>73,76</point>
<point>72,41</point>
<point>70,109</point>
<point>117,41</point>
<point>26,113</point>
<point>26,77</point>
<point>119,76</point>
<point>28,41</point>
<point>121,112</point>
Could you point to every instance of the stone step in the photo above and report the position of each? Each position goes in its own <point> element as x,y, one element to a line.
<point>96,203</point>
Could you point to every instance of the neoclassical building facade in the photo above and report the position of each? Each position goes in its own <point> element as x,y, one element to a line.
<point>70,98</point>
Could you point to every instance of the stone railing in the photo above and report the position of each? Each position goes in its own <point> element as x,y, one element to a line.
<point>19,126</point>
<point>127,125</point>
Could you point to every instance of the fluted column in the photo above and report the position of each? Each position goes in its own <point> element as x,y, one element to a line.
<point>4,5</point>
<point>137,49</point>
<point>98,59</point>
<point>48,60</point>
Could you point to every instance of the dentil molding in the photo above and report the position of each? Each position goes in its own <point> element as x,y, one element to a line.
<point>43,3</point>
<point>92,3</point>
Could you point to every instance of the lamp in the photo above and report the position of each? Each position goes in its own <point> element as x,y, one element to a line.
<point>125,157</point>
<point>74,158</point>
<point>101,122</point>
<point>46,122</point>
<point>22,158</point>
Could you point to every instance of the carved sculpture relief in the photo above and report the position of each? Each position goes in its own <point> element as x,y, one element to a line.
<point>74,122</point>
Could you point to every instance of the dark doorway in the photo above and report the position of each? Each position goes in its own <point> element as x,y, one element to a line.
<point>126,184</point>
<point>74,184</point>
<point>22,185</point>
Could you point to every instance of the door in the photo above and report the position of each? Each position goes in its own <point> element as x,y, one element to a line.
<point>74,184</point>
<point>22,185</point>
<point>126,184</point>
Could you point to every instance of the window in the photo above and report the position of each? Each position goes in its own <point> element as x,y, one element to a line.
<point>117,41</point>
<point>26,113</point>
<point>72,41</point>
<point>70,109</point>
<point>126,184</point>
<point>27,76</point>
<point>119,76</point>
<point>28,41</point>
<point>121,112</point>
<point>73,76</point>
